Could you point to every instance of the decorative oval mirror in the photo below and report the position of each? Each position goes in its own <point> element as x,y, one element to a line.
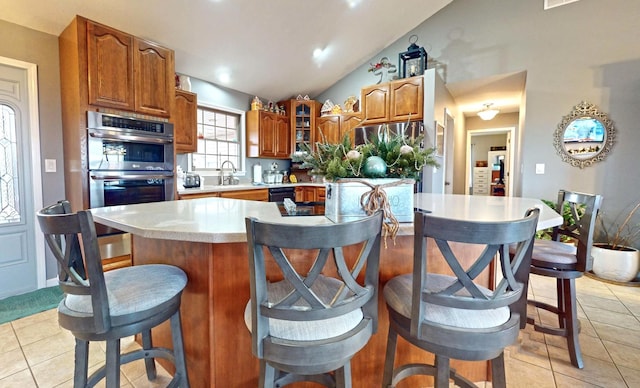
<point>584,136</point>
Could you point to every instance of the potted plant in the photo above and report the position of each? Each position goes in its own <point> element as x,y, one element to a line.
<point>568,219</point>
<point>616,257</point>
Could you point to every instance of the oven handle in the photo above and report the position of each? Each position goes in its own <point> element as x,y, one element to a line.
<point>162,175</point>
<point>144,139</point>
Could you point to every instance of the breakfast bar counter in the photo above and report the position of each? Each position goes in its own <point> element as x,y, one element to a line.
<point>206,238</point>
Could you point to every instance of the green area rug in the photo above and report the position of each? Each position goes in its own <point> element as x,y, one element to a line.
<point>21,306</point>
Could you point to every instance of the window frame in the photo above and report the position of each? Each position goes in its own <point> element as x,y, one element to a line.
<point>241,170</point>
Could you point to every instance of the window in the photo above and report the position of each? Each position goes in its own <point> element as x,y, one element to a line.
<point>9,194</point>
<point>219,134</point>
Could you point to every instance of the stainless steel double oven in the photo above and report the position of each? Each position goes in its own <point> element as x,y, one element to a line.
<point>131,160</point>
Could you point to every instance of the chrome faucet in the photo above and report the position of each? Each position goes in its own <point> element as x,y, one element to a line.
<point>229,179</point>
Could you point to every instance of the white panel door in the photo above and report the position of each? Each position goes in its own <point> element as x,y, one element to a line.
<point>18,255</point>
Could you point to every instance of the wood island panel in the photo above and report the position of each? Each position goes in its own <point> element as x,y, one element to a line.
<point>217,341</point>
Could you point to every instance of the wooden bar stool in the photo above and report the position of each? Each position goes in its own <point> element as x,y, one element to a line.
<point>313,316</point>
<point>565,263</point>
<point>108,306</point>
<point>452,316</point>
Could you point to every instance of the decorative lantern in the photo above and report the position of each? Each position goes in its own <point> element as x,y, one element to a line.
<point>413,61</point>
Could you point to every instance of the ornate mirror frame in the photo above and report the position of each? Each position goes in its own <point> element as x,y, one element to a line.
<point>584,136</point>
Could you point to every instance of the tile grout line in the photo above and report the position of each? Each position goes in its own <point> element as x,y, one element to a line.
<point>24,356</point>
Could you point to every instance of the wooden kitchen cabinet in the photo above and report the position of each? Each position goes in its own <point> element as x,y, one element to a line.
<point>398,100</point>
<point>375,103</point>
<point>184,121</point>
<point>208,194</point>
<point>348,121</point>
<point>154,78</point>
<point>334,127</point>
<point>302,115</point>
<point>250,195</point>
<point>407,99</point>
<point>268,135</point>
<point>329,127</point>
<point>125,72</point>
<point>99,71</point>
<point>109,54</point>
<point>310,194</point>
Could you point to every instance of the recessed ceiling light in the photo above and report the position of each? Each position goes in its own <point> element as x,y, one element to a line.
<point>224,77</point>
<point>317,53</point>
<point>353,3</point>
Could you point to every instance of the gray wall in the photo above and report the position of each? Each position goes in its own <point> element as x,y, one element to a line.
<point>586,50</point>
<point>42,49</point>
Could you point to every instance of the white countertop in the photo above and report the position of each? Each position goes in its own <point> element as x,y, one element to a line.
<point>221,220</point>
<point>485,208</point>
<point>215,220</point>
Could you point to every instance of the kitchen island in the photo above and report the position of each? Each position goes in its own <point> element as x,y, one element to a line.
<point>206,237</point>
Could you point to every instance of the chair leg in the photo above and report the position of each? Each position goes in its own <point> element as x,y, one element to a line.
<point>113,364</point>
<point>498,378</point>
<point>343,376</point>
<point>571,318</point>
<point>442,372</point>
<point>561,300</point>
<point>149,363</point>
<point>81,363</point>
<point>267,375</point>
<point>390,358</point>
<point>178,349</point>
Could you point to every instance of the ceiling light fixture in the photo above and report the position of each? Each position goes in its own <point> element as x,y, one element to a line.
<point>487,113</point>
<point>224,77</point>
<point>353,3</point>
<point>317,53</point>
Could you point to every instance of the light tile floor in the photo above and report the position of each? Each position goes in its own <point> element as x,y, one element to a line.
<point>36,352</point>
<point>610,339</point>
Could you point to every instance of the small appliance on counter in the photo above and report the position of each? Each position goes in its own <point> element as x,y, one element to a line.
<point>257,173</point>
<point>191,180</point>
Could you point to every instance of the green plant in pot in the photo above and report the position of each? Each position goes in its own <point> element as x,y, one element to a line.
<point>568,219</point>
<point>616,257</point>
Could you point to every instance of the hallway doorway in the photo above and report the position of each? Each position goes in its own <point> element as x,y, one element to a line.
<point>486,145</point>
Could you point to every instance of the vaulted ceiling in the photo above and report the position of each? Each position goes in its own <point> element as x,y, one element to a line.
<point>265,47</point>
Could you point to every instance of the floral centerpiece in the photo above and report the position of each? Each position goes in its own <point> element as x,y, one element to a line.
<point>395,157</point>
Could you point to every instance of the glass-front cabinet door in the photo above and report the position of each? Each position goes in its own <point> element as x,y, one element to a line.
<point>302,114</point>
<point>303,125</point>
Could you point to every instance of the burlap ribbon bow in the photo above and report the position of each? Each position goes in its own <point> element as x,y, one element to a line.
<point>376,200</point>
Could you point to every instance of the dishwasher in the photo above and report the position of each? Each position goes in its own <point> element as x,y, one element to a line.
<point>278,194</point>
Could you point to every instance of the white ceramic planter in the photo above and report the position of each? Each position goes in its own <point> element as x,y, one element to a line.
<point>619,266</point>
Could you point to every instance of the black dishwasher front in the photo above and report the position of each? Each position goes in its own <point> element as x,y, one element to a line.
<point>278,194</point>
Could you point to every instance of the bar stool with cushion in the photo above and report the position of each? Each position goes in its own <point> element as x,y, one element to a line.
<point>108,306</point>
<point>453,316</point>
<point>314,298</point>
<point>565,263</point>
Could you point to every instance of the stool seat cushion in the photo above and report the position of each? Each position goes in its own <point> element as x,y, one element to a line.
<point>550,253</point>
<point>397,293</point>
<point>134,289</point>
<point>325,288</point>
